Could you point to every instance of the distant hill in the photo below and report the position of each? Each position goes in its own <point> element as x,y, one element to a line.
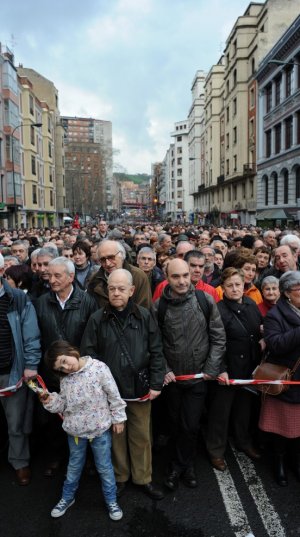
<point>135,178</point>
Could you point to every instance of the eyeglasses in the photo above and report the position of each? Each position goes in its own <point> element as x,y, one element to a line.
<point>110,258</point>
<point>296,289</point>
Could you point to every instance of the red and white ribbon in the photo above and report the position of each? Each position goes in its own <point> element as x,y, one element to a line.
<point>189,377</point>
<point>10,390</point>
<point>241,382</point>
<point>139,399</point>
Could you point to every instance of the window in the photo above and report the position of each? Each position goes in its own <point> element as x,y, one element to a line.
<point>234,47</point>
<point>179,150</point>
<point>234,106</point>
<point>227,140</point>
<point>289,132</point>
<point>268,93</point>
<point>278,138</point>
<point>179,172</point>
<point>223,194</point>
<point>229,193</point>
<point>31,110</point>
<point>277,89</point>
<point>234,80</point>
<point>227,113</point>
<point>235,192</point>
<point>234,135</point>
<point>33,165</point>
<point>51,198</point>
<point>179,138</point>
<point>179,161</point>
<point>179,205</point>
<point>179,183</point>
<point>285,186</point>
<point>288,82</point>
<point>252,66</point>
<point>275,183</point>
<point>266,190</point>
<point>252,98</point>
<point>227,167</point>
<point>32,135</point>
<point>251,189</point>
<point>34,194</point>
<point>179,194</point>
<point>297,183</point>
<point>244,190</point>
<point>49,149</point>
<point>234,163</point>
<point>268,143</point>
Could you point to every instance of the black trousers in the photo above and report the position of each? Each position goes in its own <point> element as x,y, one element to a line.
<point>228,403</point>
<point>185,404</point>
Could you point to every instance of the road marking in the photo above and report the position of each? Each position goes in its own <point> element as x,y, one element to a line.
<point>233,505</point>
<point>269,516</point>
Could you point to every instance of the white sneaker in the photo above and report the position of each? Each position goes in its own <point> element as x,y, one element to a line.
<point>115,512</point>
<point>61,507</point>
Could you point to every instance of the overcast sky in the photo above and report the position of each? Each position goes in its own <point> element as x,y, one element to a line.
<point>131,62</point>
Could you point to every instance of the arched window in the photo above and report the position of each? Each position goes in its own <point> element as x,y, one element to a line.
<point>266,181</point>
<point>285,175</point>
<point>275,187</point>
<point>297,183</point>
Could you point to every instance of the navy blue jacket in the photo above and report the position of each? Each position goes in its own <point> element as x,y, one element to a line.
<point>282,336</point>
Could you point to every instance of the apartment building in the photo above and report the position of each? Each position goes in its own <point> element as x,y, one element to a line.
<point>50,205</point>
<point>227,192</point>
<point>195,122</point>
<point>89,165</point>
<point>278,164</point>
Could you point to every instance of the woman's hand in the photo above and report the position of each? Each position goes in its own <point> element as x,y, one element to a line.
<point>44,397</point>
<point>262,345</point>
<point>118,428</point>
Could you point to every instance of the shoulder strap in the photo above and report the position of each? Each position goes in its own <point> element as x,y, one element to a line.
<point>202,301</point>
<point>295,366</point>
<point>123,344</point>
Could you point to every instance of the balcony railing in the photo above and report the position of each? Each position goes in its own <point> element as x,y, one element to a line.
<point>249,168</point>
<point>220,179</point>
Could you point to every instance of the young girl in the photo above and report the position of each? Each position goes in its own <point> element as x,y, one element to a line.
<point>90,402</point>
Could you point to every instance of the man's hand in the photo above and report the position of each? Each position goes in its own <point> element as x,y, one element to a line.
<point>28,373</point>
<point>169,377</point>
<point>118,428</point>
<point>223,378</point>
<point>153,394</point>
<point>207,377</point>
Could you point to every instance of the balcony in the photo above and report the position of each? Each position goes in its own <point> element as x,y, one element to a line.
<point>251,205</point>
<point>220,179</point>
<point>249,169</point>
<point>201,188</point>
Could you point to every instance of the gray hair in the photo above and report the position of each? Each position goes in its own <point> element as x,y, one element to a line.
<point>119,246</point>
<point>1,261</point>
<point>289,239</point>
<point>121,271</point>
<point>12,258</point>
<point>49,252</point>
<point>288,280</point>
<point>267,233</point>
<point>67,263</point>
<point>35,253</point>
<point>162,237</point>
<point>269,280</point>
<point>147,250</point>
<point>19,242</point>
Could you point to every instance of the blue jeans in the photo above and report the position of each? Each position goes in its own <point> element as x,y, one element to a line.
<point>101,447</point>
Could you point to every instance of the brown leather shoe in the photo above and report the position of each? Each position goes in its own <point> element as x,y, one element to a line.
<point>23,476</point>
<point>218,463</point>
<point>251,453</point>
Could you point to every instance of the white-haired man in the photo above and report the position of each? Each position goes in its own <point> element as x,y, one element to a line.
<point>112,256</point>
<point>62,313</point>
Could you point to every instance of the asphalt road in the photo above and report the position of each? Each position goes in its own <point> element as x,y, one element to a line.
<point>240,502</point>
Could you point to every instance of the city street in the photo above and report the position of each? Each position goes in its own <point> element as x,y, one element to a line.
<point>240,502</point>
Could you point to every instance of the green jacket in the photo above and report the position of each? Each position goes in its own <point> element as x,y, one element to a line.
<point>141,296</point>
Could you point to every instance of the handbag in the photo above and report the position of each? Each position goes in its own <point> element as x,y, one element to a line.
<point>141,377</point>
<point>268,371</point>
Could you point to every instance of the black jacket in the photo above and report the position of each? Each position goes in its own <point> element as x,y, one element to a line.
<point>282,336</point>
<point>242,326</point>
<point>68,323</point>
<point>143,341</point>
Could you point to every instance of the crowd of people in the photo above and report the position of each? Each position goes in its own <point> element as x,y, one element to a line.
<point>137,331</point>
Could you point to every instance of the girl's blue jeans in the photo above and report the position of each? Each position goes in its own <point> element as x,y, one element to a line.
<point>101,447</point>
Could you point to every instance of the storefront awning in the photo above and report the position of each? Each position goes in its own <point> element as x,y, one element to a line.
<point>273,214</point>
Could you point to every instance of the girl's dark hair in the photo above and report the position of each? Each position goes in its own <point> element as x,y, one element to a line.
<point>56,349</point>
<point>21,275</point>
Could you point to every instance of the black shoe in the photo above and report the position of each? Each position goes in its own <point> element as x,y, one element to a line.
<point>51,469</point>
<point>280,471</point>
<point>154,492</point>
<point>189,478</point>
<point>172,480</point>
<point>121,486</point>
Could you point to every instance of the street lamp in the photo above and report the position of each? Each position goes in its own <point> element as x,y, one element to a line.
<point>13,162</point>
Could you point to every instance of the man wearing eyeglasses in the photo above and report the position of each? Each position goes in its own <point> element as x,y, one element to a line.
<point>211,270</point>
<point>112,256</point>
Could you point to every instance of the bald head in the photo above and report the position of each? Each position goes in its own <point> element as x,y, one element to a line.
<point>178,275</point>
